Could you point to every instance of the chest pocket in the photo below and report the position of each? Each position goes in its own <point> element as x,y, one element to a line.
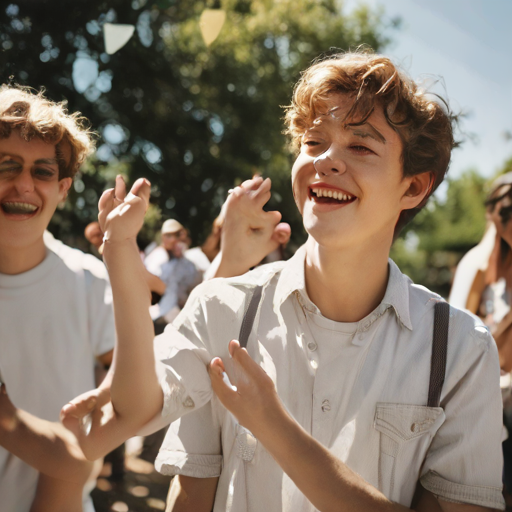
<point>405,434</point>
<point>406,431</point>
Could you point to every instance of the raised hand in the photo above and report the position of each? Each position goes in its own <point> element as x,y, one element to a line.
<point>248,232</point>
<point>121,215</point>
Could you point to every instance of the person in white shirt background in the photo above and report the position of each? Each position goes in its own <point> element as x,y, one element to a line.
<point>337,417</point>
<point>56,317</point>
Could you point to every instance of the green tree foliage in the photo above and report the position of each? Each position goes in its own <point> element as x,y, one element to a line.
<point>444,231</point>
<point>193,119</point>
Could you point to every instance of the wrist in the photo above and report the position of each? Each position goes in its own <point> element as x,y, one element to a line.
<point>272,420</point>
<point>230,268</point>
<point>113,246</point>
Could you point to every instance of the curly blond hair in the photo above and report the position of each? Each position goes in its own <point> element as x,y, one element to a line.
<point>33,115</point>
<point>424,125</point>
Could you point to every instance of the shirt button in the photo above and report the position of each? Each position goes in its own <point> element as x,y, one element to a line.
<point>312,346</point>
<point>413,427</point>
<point>188,402</point>
<point>326,406</point>
<point>313,364</point>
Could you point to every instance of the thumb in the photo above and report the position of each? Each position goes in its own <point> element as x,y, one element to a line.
<point>142,189</point>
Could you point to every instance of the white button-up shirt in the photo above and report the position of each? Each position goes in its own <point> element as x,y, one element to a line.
<point>359,388</point>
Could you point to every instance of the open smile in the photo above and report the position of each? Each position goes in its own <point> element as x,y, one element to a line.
<point>19,209</point>
<point>323,194</point>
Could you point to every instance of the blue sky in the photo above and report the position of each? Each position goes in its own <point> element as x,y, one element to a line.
<point>469,44</point>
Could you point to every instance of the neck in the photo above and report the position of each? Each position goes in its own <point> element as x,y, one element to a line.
<point>21,259</point>
<point>346,284</point>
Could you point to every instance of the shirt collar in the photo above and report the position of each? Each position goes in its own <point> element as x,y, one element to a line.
<point>292,279</point>
<point>397,294</point>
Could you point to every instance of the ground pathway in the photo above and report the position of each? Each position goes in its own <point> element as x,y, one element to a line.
<point>141,490</point>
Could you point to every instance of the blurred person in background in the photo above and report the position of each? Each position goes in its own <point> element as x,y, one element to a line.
<point>178,274</point>
<point>483,285</point>
<point>94,236</point>
<point>171,234</point>
<point>56,318</point>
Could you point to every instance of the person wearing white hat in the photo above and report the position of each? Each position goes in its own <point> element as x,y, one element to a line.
<point>171,229</point>
<point>177,272</point>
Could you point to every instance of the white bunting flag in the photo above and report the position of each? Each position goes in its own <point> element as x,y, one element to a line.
<point>116,36</point>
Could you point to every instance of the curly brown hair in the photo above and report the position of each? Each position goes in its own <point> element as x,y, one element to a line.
<point>33,115</point>
<point>424,125</point>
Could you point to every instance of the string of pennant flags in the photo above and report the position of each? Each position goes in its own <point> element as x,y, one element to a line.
<point>116,35</point>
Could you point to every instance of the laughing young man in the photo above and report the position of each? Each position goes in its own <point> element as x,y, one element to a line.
<point>344,337</point>
<point>56,314</point>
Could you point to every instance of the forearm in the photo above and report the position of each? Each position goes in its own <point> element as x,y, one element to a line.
<point>46,446</point>
<point>231,267</point>
<point>326,481</point>
<point>135,392</point>
<point>54,495</point>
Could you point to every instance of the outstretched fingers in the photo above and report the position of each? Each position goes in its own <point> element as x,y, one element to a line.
<point>262,194</point>
<point>105,206</point>
<point>120,188</point>
<point>142,189</point>
<point>253,183</point>
<point>252,373</point>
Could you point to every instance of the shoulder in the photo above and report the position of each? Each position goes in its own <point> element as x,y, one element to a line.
<point>468,337</point>
<point>232,292</point>
<point>76,261</point>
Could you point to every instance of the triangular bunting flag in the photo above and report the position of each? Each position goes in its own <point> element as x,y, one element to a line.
<point>211,23</point>
<point>116,36</point>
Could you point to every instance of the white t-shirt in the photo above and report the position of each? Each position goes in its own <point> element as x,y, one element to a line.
<point>360,389</point>
<point>54,320</point>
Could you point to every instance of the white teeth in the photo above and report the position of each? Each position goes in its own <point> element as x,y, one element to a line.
<point>19,207</point>
<point>339,196</point>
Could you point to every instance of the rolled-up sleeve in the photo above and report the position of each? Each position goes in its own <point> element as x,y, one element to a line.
<point>192,446</point>
<point>464,462</point>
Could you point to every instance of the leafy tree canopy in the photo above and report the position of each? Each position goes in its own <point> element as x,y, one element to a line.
<point>193,119</point>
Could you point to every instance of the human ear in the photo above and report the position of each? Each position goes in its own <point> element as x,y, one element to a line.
<point>64,186</point>
<point>418,188</point>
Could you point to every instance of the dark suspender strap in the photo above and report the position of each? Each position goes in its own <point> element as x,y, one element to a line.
<point>439,350</point>
<point>249,316</point>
